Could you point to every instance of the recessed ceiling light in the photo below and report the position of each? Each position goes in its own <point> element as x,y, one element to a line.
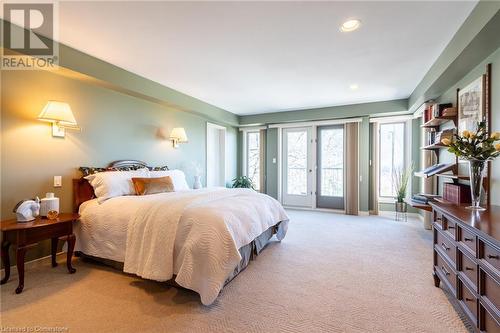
<point>350,25</point>
<point>354,86</point>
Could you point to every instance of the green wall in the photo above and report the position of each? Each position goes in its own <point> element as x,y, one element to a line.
<point>122,116</point>
<point>450,96</point>
<point>476,39</point>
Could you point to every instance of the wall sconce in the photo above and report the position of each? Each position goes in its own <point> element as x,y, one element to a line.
<point>178,135</point>
<point>61,117</point>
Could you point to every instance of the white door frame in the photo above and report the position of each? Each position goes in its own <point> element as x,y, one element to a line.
<point>222,147</point>
<point>307,200</point>
<point>314,125</point>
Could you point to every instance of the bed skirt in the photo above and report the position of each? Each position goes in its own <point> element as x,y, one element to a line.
<point>247,252</point>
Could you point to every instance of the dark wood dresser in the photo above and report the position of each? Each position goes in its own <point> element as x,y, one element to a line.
<point>467,260</point>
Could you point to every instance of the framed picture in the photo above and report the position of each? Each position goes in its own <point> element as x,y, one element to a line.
<point>471,105</point>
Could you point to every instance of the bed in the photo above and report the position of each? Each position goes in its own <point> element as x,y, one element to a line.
<point>196,239</point>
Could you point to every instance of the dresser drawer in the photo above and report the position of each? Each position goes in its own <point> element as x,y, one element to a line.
<point>487,321</point>
<point>439,218</point>
<point>445,270</point>
<point>468,300</point>
<point>468,239</point>
<point>449,227</point>
<point>491,255</point>
<point>489,288</point>
<point>446,246</point>
<point>469,268</point>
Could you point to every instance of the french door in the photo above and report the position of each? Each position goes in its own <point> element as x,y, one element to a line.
<point>297,167</point>
<point>313,173</point>
<point>330,185</point>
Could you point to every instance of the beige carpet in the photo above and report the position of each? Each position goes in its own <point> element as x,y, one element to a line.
<point>332,273</point>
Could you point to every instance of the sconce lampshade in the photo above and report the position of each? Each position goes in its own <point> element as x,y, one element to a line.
<point>178,134</point>
<point>58,112</point>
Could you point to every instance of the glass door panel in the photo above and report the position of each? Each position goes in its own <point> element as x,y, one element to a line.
<point>330,171</point>
<point>297,167</point>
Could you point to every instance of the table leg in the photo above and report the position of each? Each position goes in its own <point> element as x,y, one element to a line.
<point>54,250</point>
<point>71,247</point>
<point>6,261</point>
<point>20,254</point>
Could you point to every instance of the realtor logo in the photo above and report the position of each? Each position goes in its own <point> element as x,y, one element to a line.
<point>28,36</point>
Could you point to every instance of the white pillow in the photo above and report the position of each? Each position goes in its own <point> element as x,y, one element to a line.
<point>110,184</point>
<point>178,178</point>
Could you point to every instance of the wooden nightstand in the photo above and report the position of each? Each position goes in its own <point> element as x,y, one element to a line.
<point>25,235</point>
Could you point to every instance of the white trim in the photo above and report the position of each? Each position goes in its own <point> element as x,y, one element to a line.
<point>407,120</point>
<point>392,215</point>
<point>252,128</point>
<point>317,123</point>
<point>393,119</point>
<point>314,209</point>
<point>279,165</point>
<point>363,213</point>
<point>222,147</point>
<point>212,125</point>
<point>245,153</point>
<point>31,264</point>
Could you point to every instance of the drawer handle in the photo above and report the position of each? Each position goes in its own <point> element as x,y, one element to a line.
<point>445,271</point>
<point>443,245</point>
<point>438,219</point>
<point>451,227</point>
<point>468,239</point>
<point>491,256</point>
<point>469,268</point>
<point>469,299</point>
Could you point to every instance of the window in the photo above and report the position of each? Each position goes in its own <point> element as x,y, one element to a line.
<point>253,158</point>
<point>297,162</point>
<point>331,162</point>
<point>391,156</point>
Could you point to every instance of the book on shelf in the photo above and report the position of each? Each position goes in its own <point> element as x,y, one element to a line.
<point>449,112</point>
<point>434,110</point>
<point>444,134</point>
<point>424,198</point>
<point>430,136</point>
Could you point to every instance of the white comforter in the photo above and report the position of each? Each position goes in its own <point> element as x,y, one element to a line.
<point>194,234</point>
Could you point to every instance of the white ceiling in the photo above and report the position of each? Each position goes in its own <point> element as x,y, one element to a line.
<point>257,57</point>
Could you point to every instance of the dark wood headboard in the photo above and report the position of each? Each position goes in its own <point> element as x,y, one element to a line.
<point>83,191</point>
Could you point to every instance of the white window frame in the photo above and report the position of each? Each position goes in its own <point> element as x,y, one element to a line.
<point>407,120</point>
<point>245,132</point>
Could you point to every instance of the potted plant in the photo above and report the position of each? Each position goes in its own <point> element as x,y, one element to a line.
<point>401,179</point>
<point>243,182</point>
<point>476,147</point>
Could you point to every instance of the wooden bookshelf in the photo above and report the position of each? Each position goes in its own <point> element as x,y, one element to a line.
<point>419,205</point>
<point>435,146</point>
<point>452,176</point>
<point>438,121</point>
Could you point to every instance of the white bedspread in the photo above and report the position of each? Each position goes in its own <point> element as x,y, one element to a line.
<point>194,234</point>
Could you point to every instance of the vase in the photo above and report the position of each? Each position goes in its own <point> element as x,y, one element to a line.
<point>197,182</point>
<point>401,210</point>
<point>476,170</point>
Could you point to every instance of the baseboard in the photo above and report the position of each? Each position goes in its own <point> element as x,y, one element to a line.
<point>363,213</point>
<point>326,210</point>
<point>392,214</point>
<point>31,264</point>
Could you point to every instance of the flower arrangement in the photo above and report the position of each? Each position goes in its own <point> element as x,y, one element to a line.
<point>476,145</point>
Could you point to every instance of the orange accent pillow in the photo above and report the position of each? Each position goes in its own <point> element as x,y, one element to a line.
<point>145,186</point>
